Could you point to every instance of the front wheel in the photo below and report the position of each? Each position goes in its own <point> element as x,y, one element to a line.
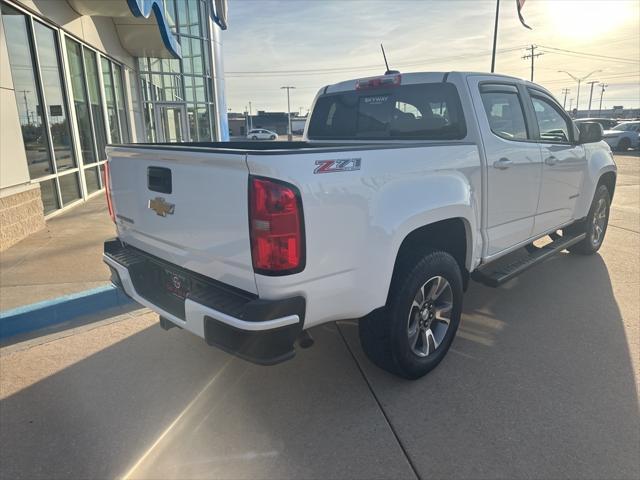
<point>254,138</point>
<point>272,137</point>
<point>412,334</point>
<point>595,225</point>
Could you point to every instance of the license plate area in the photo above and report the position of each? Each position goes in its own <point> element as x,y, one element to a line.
<point>175,283</point>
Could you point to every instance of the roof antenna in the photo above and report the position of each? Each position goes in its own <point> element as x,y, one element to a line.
<point>388,72</point>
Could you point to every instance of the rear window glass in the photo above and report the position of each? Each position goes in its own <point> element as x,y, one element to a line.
<point>430,111</point>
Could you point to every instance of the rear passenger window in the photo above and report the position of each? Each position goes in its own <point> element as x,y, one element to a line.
<point>505,115</point>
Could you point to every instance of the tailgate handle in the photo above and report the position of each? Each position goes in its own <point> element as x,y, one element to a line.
<point>159,179</point>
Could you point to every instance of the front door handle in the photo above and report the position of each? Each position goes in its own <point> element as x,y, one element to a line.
<point>502,164</point>
<point>551,160</point>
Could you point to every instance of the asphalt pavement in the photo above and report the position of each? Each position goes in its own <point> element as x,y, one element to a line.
<point>541,382</point>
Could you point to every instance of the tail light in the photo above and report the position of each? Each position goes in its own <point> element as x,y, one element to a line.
<point>107,189</point>
<point>276,227</point>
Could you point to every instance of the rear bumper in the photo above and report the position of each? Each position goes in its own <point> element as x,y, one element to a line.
<point>261,331</point>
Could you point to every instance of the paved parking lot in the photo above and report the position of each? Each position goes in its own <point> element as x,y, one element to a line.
<point>542,382</point>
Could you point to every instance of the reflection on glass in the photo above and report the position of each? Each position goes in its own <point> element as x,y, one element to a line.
<point>74,52</point>
<point>111,101</point>
<point>191,117</point>
<point>150,123</point>
<point>171,118</point>
<point>91,69</point>
<point>92,178</point>
<point>49,196</point>
<point>54,96</point>
<point>27,93</point>
<point>204,132</point>
<point>69,187</point>
<point>119,92</point>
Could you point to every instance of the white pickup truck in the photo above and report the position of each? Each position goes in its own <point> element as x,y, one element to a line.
<point>404,188</point>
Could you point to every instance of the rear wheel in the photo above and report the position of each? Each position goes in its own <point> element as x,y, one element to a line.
<point>595,225</point>
<point>623,145</point>
<point>413,333</point>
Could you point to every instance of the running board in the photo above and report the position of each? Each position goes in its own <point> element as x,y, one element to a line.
<point>504,273</point>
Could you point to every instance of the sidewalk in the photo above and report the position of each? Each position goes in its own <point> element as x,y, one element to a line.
<point>64,258</point>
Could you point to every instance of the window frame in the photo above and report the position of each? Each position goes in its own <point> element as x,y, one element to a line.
<point>491,86</point>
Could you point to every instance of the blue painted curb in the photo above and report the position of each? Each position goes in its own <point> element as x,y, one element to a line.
<point>62,309</point>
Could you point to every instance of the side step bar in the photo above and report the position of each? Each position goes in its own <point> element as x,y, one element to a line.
<point>504,273</point>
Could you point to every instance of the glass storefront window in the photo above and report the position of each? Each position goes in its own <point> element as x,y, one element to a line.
<point>92,179</point>
<point>49,196</point>
<point>97,113</point>
<point>119,93</point>
<point>69,188</point>
<point>110,96</point>
<point>54,96</point>
<point>27,93</point>
<point>74,53</point>
<point>187,82</point>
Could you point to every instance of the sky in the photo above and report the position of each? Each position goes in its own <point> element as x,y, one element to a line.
<point>312,43</point>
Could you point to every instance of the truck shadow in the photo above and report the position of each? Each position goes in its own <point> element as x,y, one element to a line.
<point>539,383</point>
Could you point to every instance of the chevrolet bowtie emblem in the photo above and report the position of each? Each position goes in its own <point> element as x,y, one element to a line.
<point>161,206</point>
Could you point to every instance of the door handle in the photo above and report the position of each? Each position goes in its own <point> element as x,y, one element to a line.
<point>502,164</point>
<point>551,160</point>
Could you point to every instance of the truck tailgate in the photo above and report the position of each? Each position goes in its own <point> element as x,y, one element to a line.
<point>190,210</point>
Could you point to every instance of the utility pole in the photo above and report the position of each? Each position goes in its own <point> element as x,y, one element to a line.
<point>532,56</point>
<point>579,80</point>
<point>565,91</point>
<point>603,86</point>
<point>495,38</point>
<point>592,83</point>
<point>250,118</point>
<point>26,104</point>
<point>570,104</point>
<point>288,89</point>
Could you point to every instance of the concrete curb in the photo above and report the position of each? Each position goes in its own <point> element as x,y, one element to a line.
<point>62,309</point>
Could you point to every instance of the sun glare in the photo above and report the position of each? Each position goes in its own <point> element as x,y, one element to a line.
<point>589,19</point>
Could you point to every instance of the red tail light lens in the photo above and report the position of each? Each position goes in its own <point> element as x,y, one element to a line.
<point>107,190</point>
<point>276,227</point>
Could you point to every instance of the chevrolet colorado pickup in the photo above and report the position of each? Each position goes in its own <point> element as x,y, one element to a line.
<point>405,187</point>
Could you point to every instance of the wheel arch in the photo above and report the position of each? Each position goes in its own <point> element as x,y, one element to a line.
<point>608,179</point>
<point>452,235</point>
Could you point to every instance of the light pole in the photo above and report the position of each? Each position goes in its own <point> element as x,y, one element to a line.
<point>579,80</point>
<point>603,86</point>
<point>288,89</point>
<point>565,91</point>
<point>592,83</point>
<point>250,118</point>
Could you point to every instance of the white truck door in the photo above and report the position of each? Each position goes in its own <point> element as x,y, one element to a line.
<point>514,162</point>
<point>564,164</point>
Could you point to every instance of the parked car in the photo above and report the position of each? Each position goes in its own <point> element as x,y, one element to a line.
<point>404,188</point>
<point>624,136</point>
<point>262,134</point>
<point>607,123</point>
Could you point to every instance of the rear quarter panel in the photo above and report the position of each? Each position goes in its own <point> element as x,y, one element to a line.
<point>355,221</point>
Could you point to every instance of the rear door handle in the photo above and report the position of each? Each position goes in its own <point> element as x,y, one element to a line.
<point>551,160</point>
<point>502,164</point>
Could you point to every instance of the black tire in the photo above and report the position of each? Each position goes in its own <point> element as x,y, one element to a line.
<point>273,137</point>
<point>593,241</point>
<point>384,334</point>
<point>623,145</point>
<point>254,138</point>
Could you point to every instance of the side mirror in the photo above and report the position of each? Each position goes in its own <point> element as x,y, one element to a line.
<point>590,132</point>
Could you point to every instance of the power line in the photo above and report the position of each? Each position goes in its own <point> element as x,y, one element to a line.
<point>588,54</point>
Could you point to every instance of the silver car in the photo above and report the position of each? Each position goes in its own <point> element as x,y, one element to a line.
<point>624,136</point>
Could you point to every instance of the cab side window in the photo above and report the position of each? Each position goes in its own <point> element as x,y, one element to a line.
<point>504,112</point>
<point>553,126</point>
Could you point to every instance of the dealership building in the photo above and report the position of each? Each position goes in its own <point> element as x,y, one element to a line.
<point>76,75</point>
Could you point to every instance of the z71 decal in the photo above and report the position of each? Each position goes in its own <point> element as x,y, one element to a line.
<point>342,165</point>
